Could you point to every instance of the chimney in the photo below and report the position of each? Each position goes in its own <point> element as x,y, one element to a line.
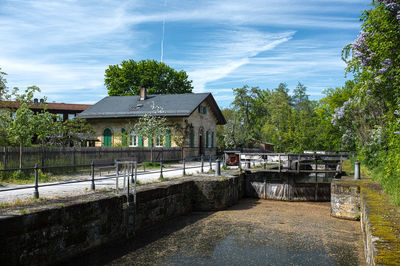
<point>35,101</point>
<point>41,100</point>
<point>143,93</point>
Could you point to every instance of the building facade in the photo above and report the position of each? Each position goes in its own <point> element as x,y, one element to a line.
<point>191,121</point>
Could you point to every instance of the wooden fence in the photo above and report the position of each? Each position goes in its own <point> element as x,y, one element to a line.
<point>50,156</point>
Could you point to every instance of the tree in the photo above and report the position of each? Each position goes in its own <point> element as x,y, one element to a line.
<point>152,125</point>
<point>157,77</point>
<point>75,128</point>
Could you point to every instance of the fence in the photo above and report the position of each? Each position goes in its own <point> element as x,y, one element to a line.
<point>50,156</point>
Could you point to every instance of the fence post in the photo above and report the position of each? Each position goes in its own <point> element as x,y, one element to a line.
<point>161,173</point>
<point>202,164</point>
<point>210,163</point>
<point>36,193</point>
<point>73,158</point>
<point>183,160</point>
<point>92,173</point>
<point>218,167</point>
<point>5,158</point>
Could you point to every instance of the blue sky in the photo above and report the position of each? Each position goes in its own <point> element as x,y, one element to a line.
<point>64,46</point>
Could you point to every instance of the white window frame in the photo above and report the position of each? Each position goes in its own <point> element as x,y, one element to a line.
<point>159,141</point>
<point>134,139</point>
<point>71,116</point>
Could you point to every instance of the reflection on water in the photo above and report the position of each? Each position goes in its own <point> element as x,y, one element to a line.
<point>240,237</point>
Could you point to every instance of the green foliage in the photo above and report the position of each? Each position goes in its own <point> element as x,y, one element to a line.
<point>158,78</point>
<point>372,112</point>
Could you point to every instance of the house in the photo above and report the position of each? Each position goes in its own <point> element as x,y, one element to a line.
<point>64,111</point>
<point>193,116</point>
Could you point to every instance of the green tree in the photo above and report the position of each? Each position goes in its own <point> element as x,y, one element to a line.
<point>75,129</point>
<point>157,77</point>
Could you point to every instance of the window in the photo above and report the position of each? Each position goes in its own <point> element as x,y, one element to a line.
<point>159,140</point>
<point>71,116</point>
<point>60,117</point>
<point>133,139</point>
<point>204,109</point>
<point>212,140</point>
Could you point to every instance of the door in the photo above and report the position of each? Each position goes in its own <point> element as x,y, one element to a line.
<point>107,137</point>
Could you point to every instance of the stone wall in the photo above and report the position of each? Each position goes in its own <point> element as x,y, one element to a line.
<point>48,233</point>
<point>345,199</point>
<point>365,200</point>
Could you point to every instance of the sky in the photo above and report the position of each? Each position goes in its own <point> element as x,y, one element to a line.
<point>64,47</point>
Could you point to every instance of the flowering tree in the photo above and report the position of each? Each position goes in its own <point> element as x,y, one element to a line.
<point>152,125</point>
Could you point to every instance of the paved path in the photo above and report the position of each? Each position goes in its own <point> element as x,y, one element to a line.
<point>49,190</point>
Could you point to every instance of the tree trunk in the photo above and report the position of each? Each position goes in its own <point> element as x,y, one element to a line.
<point>20,154</point>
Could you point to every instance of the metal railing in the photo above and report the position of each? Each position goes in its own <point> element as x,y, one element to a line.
<point>202,160</point>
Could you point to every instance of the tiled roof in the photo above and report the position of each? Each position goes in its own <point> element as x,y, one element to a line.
<point>170,104</point>
<point>50,106</point>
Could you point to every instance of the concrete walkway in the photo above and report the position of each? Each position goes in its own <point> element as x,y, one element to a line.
<point>55,189</point>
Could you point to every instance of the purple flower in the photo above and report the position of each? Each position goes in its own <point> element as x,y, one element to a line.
<point>368,92</point>
<point>377,80</point>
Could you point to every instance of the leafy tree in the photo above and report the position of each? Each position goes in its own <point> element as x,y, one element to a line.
<point>157,77</point>
<point>152,125</point>
<point>75,128</point>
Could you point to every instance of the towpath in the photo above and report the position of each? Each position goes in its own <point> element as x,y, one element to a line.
<point>108,181</point>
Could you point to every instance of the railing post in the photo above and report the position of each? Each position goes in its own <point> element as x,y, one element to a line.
<point>117,176</point>
<point>92,173</point>
<point>161,173</point>
<point>279,158</point>
<point>357,170</point>
<point>202,164</point>
<point>298,163</point>
<point>183,161</point>
<point>248,163</point>
<point>210,163</point>
<point>5,158</point>
<point>127,188</point>
<point>240,162</point>
<point>218,167</point>
<point>36,193</point>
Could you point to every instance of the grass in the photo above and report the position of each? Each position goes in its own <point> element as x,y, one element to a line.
<point>21,202</point>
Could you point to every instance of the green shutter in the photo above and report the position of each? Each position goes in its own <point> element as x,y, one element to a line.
<point>204,110</point>
<point>140,144</point>
<point>212,139</point>
<point>168,139</point>
<point>207,139</point>
<point>124,140</point>
<point>191,138</point>
<point>150,140</point>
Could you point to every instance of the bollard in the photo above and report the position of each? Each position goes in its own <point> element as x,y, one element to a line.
<point>161,173</point>
<point>357,170</point>
<point>202,164</point>
<point>127,190</point>
<point>92,173</point>
<point>248,164</point>
<point>265,165</point>
<point>184,172</point>
<point>210,163</point>
<point>36,193</point>
<point>240,162</point>
<point>218,167</point>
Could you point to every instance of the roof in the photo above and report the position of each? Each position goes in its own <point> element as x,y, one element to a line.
<point>262,142</point>
<point>50,106</point>
<point>170,104</point>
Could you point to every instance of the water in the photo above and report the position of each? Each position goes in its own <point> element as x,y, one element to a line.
<point>254,232</point>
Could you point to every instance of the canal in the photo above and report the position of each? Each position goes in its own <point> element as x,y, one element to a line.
<point>253,232</point>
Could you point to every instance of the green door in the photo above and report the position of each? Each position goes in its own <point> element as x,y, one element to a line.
<point>107,137</point>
